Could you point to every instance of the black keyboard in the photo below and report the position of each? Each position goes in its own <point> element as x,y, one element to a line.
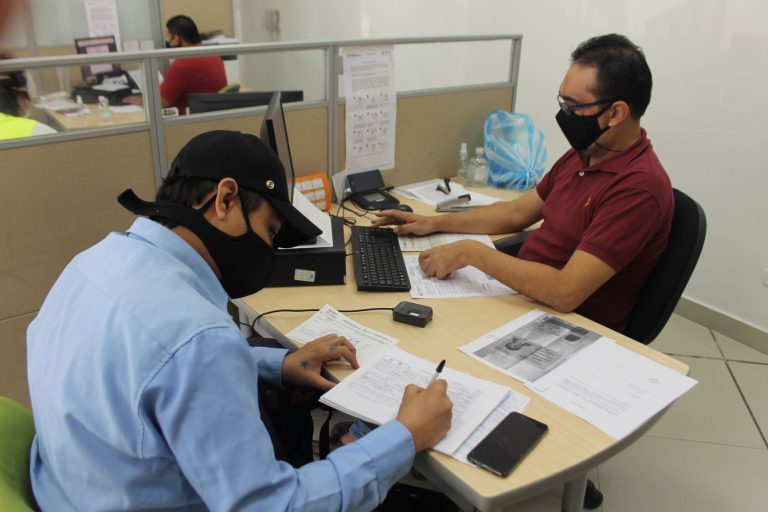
<point>379,263</point>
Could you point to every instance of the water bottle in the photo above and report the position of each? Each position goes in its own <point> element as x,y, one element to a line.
<point>81,110</point>
<point>105,113</point>
<point>462,172</point>
<point>477,174</point>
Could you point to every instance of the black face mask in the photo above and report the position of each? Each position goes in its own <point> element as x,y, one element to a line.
<point>581,131</point>
<point>245,261</point>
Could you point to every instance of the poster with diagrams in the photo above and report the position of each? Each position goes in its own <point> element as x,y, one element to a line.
<point>371,103</point>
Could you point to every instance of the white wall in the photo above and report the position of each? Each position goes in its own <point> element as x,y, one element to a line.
<point>706,119</point>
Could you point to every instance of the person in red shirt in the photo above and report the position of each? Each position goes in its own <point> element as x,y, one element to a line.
<point>606,204</point>
<point>186,75</point>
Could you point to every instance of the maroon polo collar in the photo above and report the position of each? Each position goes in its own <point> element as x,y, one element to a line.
<point>619,161</point>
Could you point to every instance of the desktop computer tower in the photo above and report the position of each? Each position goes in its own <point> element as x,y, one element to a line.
<point>312,266</point>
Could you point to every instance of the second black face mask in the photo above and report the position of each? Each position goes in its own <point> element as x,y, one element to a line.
<point>245,261</point>
<point>581,131</point>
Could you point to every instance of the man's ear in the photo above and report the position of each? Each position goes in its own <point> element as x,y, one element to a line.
<point>619,111</point>
<point>227,197</point>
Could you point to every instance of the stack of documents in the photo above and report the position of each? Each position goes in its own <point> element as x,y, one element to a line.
<point>414,243</point>
<point>374,393</point>
<point>427,192</point>
<point>465,282</point>
<point>611,387</point>
<point>368,342</point>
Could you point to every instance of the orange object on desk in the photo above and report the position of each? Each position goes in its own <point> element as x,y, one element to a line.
<point>316,188</point>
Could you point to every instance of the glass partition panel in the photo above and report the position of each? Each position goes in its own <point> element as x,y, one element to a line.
<point>78,98</point>
<point>58,23</point>
<point>437,65</point>
<point>285,71</point>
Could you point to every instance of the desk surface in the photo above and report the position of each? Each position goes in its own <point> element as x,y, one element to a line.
<point>571,447</point>
<point>64,122</point>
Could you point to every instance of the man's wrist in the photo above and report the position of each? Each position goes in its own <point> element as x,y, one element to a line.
<point>437,223</point>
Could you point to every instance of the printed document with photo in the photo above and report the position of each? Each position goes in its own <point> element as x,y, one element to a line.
<point>611,387</point>
<point>532,345</point>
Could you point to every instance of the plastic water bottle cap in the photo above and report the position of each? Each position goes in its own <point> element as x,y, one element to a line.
<point>479,151</point>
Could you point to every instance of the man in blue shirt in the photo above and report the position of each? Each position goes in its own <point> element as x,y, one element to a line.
<point>144,392</point>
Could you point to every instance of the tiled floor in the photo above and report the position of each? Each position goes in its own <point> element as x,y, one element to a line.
<point>708,453</point>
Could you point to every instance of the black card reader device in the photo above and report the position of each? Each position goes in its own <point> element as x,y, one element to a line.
<point>412,314</point>
<point>366,190</point>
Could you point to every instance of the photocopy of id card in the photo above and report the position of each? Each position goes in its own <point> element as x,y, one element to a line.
<point>368,342</point>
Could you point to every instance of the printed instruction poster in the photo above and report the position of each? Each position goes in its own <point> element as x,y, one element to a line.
<point>102,19</point>
<point>371,103</point>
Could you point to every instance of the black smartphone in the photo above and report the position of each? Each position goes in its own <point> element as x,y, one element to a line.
<point>507,444</point>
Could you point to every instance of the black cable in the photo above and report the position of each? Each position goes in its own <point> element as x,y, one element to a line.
<point>258,317</point>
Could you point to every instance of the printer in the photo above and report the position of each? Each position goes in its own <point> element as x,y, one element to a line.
<point>114,86</point>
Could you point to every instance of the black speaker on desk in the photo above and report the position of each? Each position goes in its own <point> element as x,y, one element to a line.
<point>313,265</point>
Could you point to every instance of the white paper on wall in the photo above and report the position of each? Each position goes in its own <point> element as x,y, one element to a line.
<point>102,19</point>
<point>371,103</point>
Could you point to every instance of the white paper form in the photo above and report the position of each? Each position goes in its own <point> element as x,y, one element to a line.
<point>373,393</point>
<point>427,192</point>
<point>371,106</point>
<point>328,320</point>
<point>102,20</point>
<point>412,243</point>
<point>614,389</point>
<point>532,345</point>
<point>319,218</point>
<point>515,402</point>
<point>465,282</point>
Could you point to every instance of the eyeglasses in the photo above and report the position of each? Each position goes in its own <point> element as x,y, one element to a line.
<point>570,108</point>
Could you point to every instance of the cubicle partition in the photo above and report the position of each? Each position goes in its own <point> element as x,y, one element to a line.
<point>58,193</point>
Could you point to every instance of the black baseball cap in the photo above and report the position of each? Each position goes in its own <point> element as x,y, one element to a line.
<point>220,154</point>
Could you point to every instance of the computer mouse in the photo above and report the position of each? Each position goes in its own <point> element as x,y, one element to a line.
<point>403,208</point>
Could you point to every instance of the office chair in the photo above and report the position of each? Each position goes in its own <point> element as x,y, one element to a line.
<point>233,87</point>
<point>662,291</point>
<point>664,287</point>
<point>16,433</point>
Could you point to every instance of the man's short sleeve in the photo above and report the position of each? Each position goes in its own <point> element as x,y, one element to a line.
<point>174,84</point>
<point>623,225</point>
<point>547,183</point>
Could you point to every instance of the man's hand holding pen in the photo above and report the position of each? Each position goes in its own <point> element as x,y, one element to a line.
<point>426,413</point>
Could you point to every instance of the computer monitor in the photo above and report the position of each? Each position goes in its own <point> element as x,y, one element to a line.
<point>90,45</point>
<point>199,103</point>
<point>275,135</point>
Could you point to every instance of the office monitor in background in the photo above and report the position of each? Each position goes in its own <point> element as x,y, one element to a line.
<point>91,45</point>
<point>275,135</point>
<point>199,103</point>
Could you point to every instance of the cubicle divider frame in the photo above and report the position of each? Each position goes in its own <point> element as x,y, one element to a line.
<point>153,60</point>
<point>59,190</point>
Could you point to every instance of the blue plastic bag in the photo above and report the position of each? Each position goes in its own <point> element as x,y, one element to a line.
<point>515,150</point>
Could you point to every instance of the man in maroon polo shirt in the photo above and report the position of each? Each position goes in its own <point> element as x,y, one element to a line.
<point>188,75</point>
<point>607,203</point>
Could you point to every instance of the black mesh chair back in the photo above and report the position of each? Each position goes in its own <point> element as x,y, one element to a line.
<point>661,293</point>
